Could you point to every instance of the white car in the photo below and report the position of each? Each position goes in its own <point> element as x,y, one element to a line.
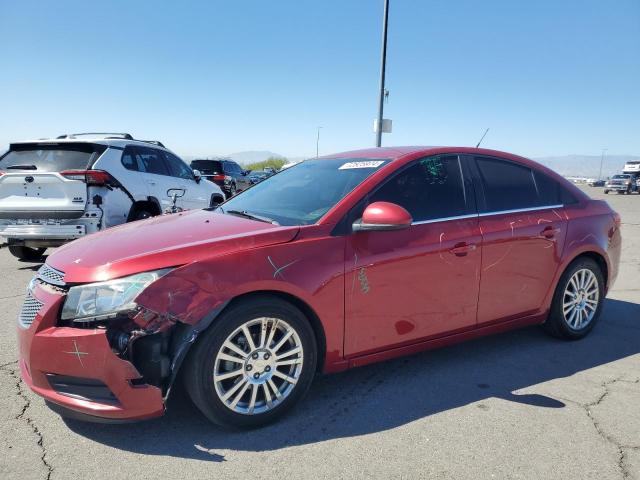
<point>53,191</point>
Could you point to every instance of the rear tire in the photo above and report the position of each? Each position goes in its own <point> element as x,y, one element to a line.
<point>27,254</point>
<point>577,301</point>
<point>606,192</point>
<point>242,383</point>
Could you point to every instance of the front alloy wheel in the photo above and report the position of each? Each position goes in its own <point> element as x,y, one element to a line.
<point>253,364</point>
<point>258,366</point>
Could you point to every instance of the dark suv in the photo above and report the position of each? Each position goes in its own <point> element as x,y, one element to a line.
<point>227,174</point>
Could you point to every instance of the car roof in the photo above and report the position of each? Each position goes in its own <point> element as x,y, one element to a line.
<point>110,142</point>
<point>402,152</point>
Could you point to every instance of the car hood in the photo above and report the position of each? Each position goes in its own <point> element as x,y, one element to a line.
<point>161,242</point>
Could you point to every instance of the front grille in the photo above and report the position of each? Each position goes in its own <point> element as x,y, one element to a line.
<point>51,275</point>
<point>30,308</point>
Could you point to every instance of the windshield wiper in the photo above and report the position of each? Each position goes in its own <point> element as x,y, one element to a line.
<point>22,167</point>
<point>251,216</point>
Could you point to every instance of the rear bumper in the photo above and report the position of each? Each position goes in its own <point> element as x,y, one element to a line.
<point>77,370</point>
<point>617,187</point>
<point>49,232</point>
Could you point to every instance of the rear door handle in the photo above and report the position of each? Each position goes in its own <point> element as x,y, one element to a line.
<point>550,232</point>
<point>462,248</point>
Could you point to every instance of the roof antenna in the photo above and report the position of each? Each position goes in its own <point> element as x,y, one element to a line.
<point>482,138</point>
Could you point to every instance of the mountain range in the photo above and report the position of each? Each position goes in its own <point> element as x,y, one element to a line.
<point>568,165</point>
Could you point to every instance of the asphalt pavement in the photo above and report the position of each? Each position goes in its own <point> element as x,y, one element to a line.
<point>520,405</point>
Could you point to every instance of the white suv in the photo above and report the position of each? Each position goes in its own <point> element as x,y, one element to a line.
<point>53,191</point>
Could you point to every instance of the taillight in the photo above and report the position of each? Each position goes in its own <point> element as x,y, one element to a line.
<point>90,177</point>
<point>616,219</point>
<point>218,178</point>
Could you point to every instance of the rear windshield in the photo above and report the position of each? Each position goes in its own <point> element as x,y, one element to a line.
<point>51,157</point>
<point>207,167</point>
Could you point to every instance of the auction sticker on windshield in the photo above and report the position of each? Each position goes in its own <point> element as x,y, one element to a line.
<point>368,164</point>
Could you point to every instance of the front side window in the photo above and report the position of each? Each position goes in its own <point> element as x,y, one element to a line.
<point>430,189</point>
<point>178,167</point>
<point>304,193</point>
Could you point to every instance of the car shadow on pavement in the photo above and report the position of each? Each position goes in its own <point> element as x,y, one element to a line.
<point>387,395</point>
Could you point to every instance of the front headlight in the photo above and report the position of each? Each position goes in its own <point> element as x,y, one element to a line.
<point>106,299</point>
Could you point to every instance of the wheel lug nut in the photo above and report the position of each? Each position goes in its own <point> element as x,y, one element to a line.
<point>267,368</point>
<point>254,356</point>
<point>249,368</point>
<point>266,356</point>
<point>256,375</point>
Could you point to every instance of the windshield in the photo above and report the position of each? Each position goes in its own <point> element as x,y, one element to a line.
<point>51,158</point>
<point>302,194</point>
<point>622,176</point>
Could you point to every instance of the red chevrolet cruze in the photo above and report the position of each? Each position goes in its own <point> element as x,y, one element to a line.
<point>334,263</point>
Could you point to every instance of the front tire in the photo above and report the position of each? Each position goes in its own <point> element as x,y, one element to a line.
<point>27,254</point>
<point>253,364</point>
<point>577,301</point>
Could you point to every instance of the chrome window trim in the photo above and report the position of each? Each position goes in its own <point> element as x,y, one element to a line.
<point>445,219</point>
<point>486,214</point>
<point>518,210</point>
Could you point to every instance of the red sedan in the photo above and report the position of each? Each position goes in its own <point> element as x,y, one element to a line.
<point>334,263</point>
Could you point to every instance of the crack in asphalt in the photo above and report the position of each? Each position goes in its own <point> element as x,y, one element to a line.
<point>622,455</point>
<point>22,416</point>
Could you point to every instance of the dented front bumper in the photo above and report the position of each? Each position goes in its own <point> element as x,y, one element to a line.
<point>76,368</point>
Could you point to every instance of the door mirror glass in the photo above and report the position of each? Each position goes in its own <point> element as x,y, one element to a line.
<point>383,216</point>
<point>197,175</point>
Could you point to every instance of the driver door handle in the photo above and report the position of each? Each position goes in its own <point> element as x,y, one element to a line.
<point>462,248</point>
<point>550,232</point>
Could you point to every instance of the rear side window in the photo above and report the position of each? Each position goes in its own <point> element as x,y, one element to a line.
<point>430,189</point>
<point>129,160</point>
<point>153,161</point>
<point>51,157</point>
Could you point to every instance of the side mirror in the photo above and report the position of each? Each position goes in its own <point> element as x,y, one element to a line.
<point>197,176</point>
<point>383,216</point>
<point>216,199</point>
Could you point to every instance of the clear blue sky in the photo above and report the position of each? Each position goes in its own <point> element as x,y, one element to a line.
<point>548,76</point>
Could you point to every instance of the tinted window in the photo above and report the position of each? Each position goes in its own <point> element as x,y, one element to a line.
<point>178,167</point>
<point>207,167</point>
<point>129,159</point>
<point>551,192</point>
<point>507,186</point>
<point>431,188</point>
<point>51,158</point>
<point>153,161</point>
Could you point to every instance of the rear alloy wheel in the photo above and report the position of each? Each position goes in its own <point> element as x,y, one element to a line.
<point>253,364</point>
<point>27,254</point>
<point>577,302</point>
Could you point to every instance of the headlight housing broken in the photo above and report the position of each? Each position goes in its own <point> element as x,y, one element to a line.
<point>103,300</point>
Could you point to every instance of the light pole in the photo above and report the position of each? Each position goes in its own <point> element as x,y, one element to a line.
<point>382,73</point>
<point>601,162</point>
<point>318,142</point>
